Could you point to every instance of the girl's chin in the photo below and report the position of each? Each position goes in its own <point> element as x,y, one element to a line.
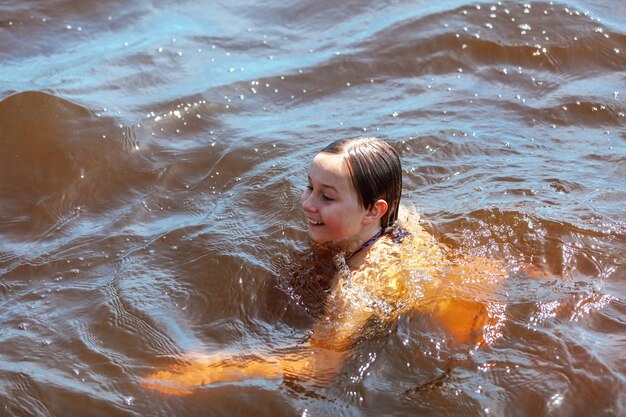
<point>328,243</point>
<point>319,240</point>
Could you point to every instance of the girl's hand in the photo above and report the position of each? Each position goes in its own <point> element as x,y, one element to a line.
<point>199,370</point>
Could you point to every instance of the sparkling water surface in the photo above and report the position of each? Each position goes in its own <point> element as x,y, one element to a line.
<point>152,155</point>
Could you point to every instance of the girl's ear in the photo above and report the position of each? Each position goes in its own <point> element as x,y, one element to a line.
<point>376,211</point>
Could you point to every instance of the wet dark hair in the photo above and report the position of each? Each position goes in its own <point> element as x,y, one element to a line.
<point>375,170</point>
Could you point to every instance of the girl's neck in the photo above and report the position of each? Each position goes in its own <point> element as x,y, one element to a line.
<point>356,257</point>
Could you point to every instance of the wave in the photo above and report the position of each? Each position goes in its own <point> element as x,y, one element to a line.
<point>59,159</point>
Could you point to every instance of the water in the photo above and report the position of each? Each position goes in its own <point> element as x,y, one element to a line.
<point>152,158</point>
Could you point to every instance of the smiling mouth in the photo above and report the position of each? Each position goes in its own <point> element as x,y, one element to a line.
<point>313,222</point>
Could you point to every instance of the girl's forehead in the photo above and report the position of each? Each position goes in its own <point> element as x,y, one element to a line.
<point>330,164</point>
<point>331,171</point>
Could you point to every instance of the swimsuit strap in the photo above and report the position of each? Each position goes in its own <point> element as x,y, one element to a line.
<point>368,243</point>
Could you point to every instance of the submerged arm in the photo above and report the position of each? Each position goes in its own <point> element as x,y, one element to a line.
<point>463,304</point>
<point>319,359</point>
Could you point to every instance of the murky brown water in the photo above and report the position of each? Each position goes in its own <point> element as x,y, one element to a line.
<point>152,155</point>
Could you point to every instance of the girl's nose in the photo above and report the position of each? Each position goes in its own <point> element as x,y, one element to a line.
<point>307,202</point>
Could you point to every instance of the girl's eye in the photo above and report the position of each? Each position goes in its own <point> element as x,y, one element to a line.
<point>327,198</point>
<point>309,187</point>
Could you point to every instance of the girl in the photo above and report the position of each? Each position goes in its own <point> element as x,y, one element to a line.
<point>381,269</point>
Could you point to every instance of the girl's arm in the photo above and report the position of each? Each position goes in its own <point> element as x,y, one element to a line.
<point>465,304</point>
<point>319,359</point>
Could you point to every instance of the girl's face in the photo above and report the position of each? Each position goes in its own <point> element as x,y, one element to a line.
<point>331,204</point>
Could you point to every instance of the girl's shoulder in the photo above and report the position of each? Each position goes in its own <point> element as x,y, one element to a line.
<point>383,260</point>
<point>403,249</point>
